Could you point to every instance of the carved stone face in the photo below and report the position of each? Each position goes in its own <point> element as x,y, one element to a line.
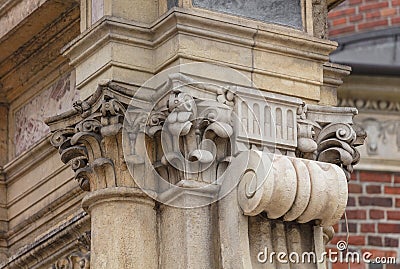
<point>375,132</point>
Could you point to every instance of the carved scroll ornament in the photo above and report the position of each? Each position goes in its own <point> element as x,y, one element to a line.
<point>331,139</point>
<point>289,188</point>
<point>90,141</point>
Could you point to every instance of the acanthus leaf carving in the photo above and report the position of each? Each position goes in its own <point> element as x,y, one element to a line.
<point>87,142</point>
<point>331,141</point>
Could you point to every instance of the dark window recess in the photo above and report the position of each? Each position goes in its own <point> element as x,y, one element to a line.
<point>283,12</point>
<point>172,3</point>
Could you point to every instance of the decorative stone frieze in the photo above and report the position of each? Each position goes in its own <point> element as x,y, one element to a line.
<point>380,120</point>
<point>371,105</point>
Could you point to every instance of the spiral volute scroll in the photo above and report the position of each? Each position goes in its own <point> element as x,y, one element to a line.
<point>290,188</point>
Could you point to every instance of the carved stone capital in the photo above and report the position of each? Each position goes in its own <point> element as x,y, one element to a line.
<point>89,138</point>
<point>328,134</point>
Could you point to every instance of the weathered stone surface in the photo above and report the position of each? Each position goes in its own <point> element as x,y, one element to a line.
<point>29,119</point>
<point>284,12</point>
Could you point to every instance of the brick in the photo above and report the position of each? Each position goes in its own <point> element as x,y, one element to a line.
<point>395,20</point>
<point>372,15</point>
<point>375,177</point>
<point>337,238</point>
<point>354,2</point>
<point>351,201</point>
<point>336,228</point>
<point>373,6</point>
<point>397,202</point>
<point>388,12</point>
<point>352,227</point>
<point>367,227</point>
<point>391,242</point>
<point>374,189</point>
<point>339,21</point>
<point>380,253</point>
<point>376,214</point>
<point>354,175</point>
<point>397,175</point>
<point>342,30</point>
<point>355,188</point>
<point>341,12</point>
<point>375,241</point>
<point>375,201</point>
<point>392,190</point>
<point>356,18</point>
<point>356,214</point>
<point>388,228</point>
<point>373,24</point>
<point>375,266</point>
<point>393,215</point>
<point>357,240</point>
<point>395,2</point>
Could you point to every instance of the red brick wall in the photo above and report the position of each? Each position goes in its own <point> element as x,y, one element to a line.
<point>363,15</point>
<point>373,215</point>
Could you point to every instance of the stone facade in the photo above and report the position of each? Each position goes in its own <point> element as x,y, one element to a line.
<point>184,134</point>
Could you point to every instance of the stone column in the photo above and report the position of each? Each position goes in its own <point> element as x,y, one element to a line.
<point>123,223</point>
<point>123,218</point>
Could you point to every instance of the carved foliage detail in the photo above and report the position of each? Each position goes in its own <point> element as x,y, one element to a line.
<point>333,142</point>
<point>89,144</point>
<point>189,136</point>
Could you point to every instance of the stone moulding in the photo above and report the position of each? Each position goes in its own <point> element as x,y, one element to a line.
<point>46,250</point>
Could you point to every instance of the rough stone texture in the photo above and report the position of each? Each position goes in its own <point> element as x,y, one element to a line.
<point>277,11</point>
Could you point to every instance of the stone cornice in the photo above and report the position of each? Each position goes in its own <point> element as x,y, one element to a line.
<point>222,27</point>
<point>70,231</point>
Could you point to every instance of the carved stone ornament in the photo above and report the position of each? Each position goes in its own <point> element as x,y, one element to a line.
<point>76,260</point>
<point>327,134</point>
<point>90,137</point>
<point>379,132</point>
<point>178,139</point>
<point>79,259</point>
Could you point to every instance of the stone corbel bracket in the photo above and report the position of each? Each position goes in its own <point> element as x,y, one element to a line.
<point>290,188</point>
